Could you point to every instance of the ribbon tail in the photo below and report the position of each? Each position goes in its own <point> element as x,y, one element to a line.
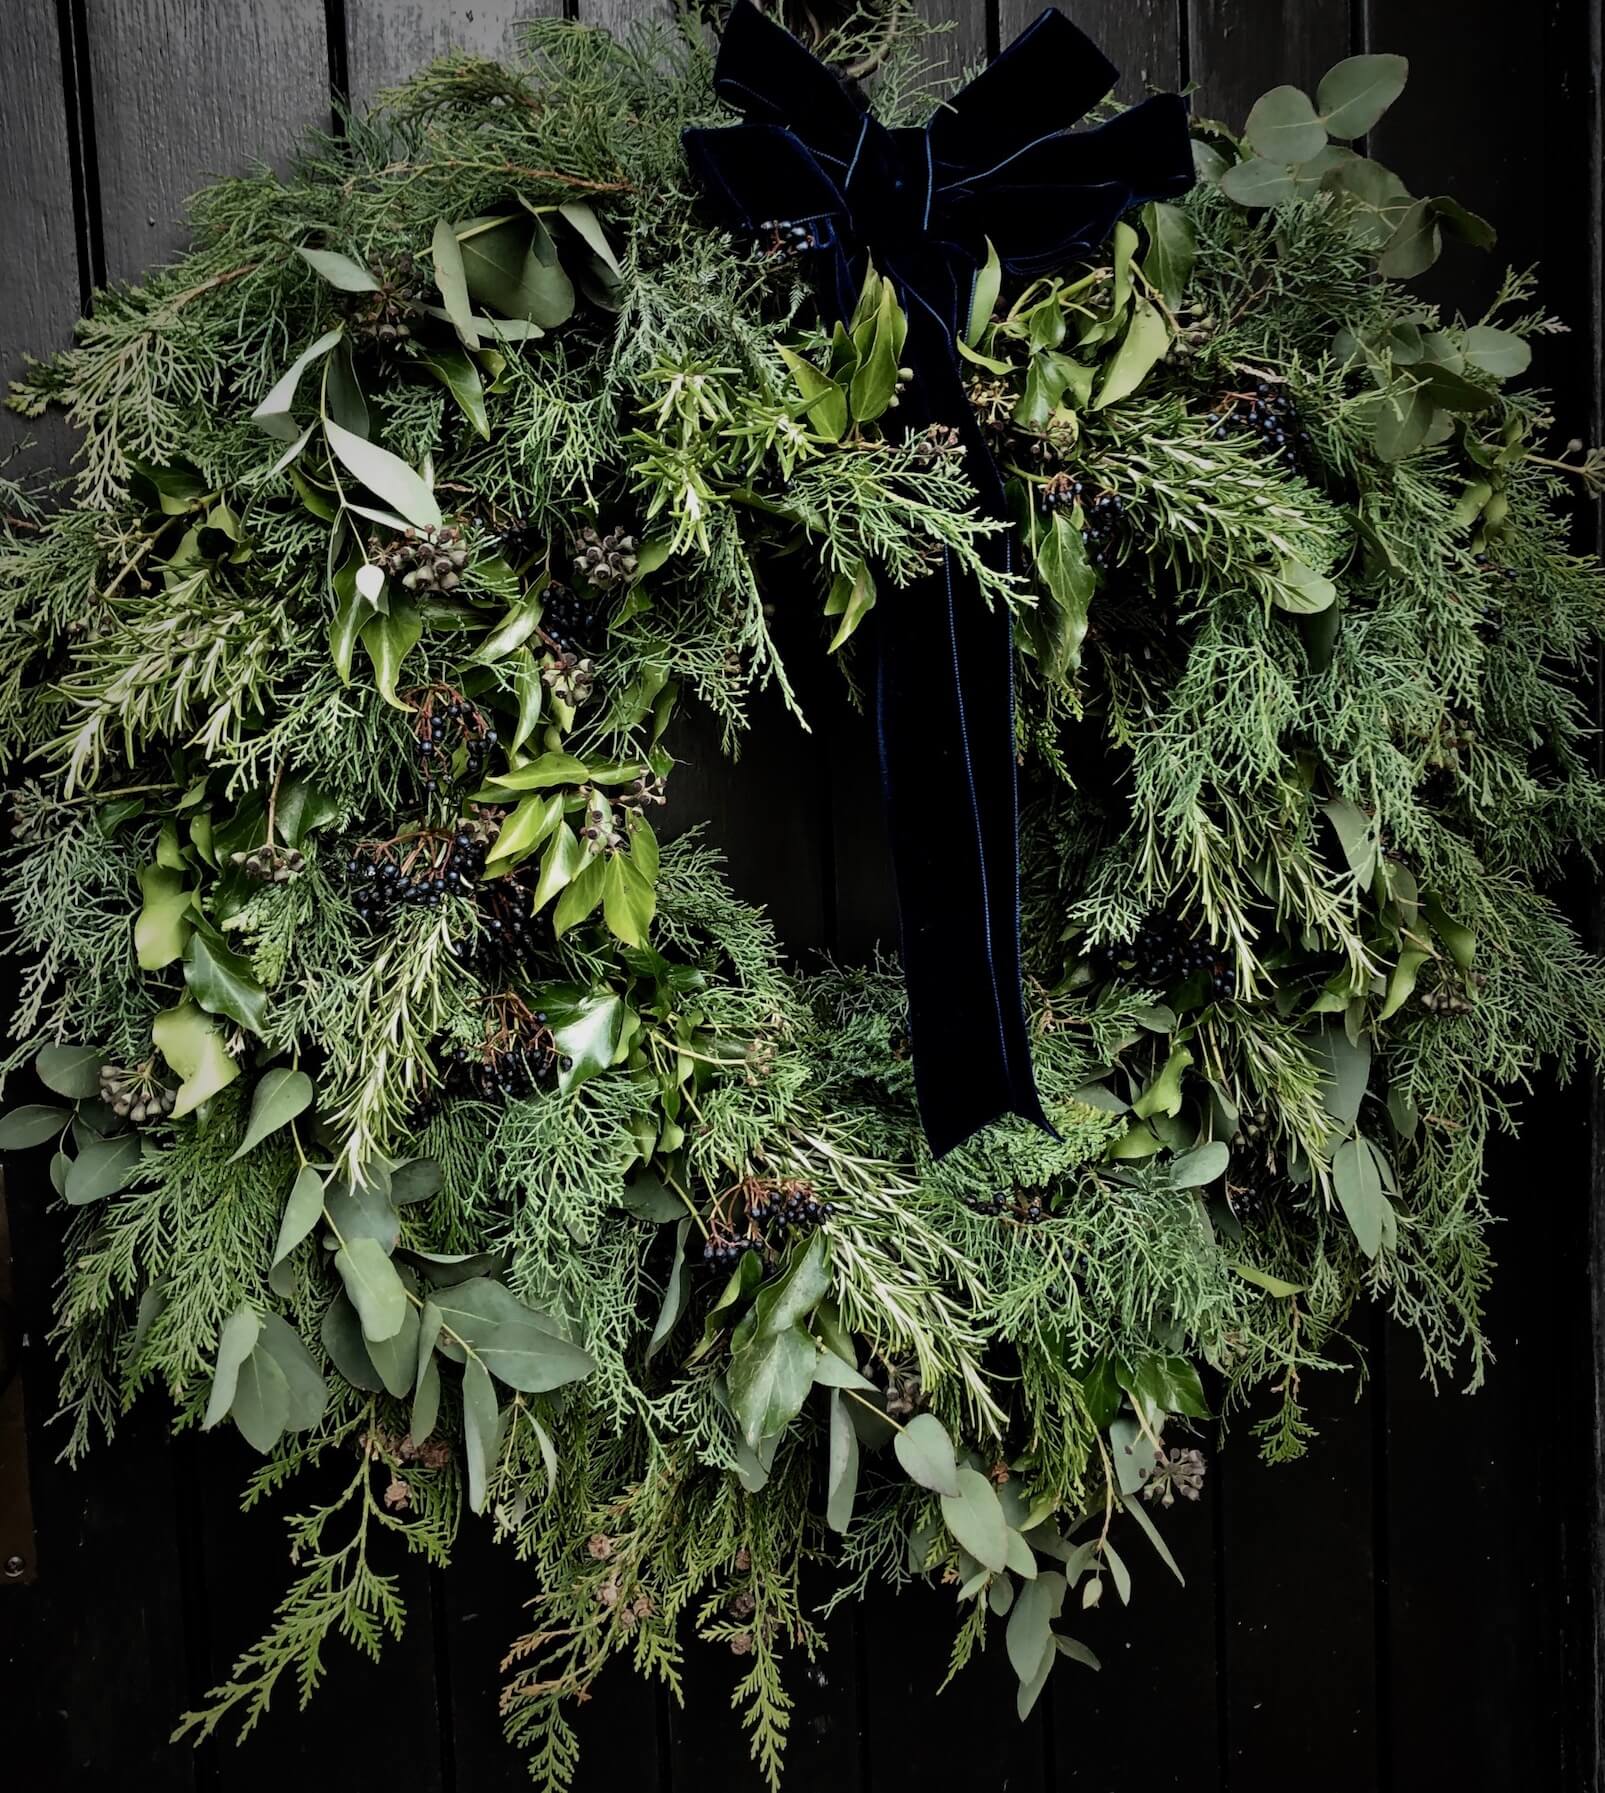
<point>945,719</point>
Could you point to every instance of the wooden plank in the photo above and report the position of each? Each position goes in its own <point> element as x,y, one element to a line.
<point>1142,38</point>
<point>965,46</point>
<point>184,93</point>
<point>387,40</point>
<point>966,1737</point>
<point>1298,1603</point>
<point>45,271</point>
<point>1496,1560</point>
<point>93,1656</point>
<point>1241,48</point>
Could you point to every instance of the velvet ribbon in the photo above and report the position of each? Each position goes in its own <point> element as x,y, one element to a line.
<point>996,163</point>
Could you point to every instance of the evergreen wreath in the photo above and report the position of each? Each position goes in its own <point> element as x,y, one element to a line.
<point>418,1111</point>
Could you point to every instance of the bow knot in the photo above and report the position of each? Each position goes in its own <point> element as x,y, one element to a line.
<point>997,164</point>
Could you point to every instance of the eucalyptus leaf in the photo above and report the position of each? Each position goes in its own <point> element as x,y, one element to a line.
<point>481,1431</point>
<point>31,1125</point>
<point>261,1407</point>
<point>447,256</point>
<point>375,1290</point>
<point>302,1212</point>
<point>234,1345</point>
<point>385,475</point>
<point>307,1391</point>
<point>841,1475</point>
<point>926,1454</point>
<point>72,1071</point>
<point>340,271</point>
<point>1355,93</point>
<point>104,1167</point>
<point>975,1520</point>
<point>1283,126</point>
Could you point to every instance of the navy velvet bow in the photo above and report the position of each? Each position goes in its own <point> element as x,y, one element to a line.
<point>996,163</point>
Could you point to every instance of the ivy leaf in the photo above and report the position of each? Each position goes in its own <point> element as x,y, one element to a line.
<point>163,927</point>
<point>984,296</point>
<point>562,861</point>
<point>31,1125</point>
<point>221,981</point>
<point>628,900</point>
<point>590,1040</point>
<point>926,1454</point>
<point>1283,126</point>
<point>301,1212</point>
<point>386,475</point>
<point>236,1343</point>
<point>975,1519</point>
<point>102,1168</point>
<point>376,1291</point>
<point>583,894</point>
<point>193,1047</point>
<point>389,639</point>
<point>1059,628</point>
<point>522,831</point>
<point>769,1379</point>
<point>481,1431</point>
<point>1163,1094</point>
<point>1172,248</point>
<point>72,1071</point>
<point>541,774</point>
<point>841,1474</point>
<point>279,1097</point>
<point>851,597</point>
<point>1355,93</point>
<point>1146,340</point>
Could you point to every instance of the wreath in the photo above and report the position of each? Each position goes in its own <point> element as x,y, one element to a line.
<point>421,1112</point>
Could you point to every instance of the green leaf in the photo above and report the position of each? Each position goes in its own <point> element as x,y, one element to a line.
<point>824,402</point>
<point>426,1398</point>
<point>164,923</point>
<point>1470,228</point>
<point>456,371</point>
<point>628,900</point>
<point>363,1209</point>
<point>505,270</point>
<point>389,639</point>
<point>347,1349</point>
<point>1283,127</point>
<point>519,1345</point>
<point>1029,1634</point>
<point>396,1357</point>
<point>1414,245</point>
<point>1498,352</point>
<point>1301,589</point>
<point>340,271</point>
<point>102,1168</point>
<point>279,1097</point>
<point>1346,1069</point>
<point>236,1343</point>
<point>1202,1165</point>
<point>376,1291</point>
<point>674,1290</point>
<point>769,1379</point>
<point>1354,95</point>
<point>582,896</point>
<point>193,1047</point>
<point>1459,941</point>
<point>1403,417</point>
<point>522,831</point>
<point>1257,183</point>
<point>875,382</point>
<point>541,774</point>
<point>221,981</point>
<point>1357,835</point>
<point>851,597</point>
<point>510,634</point>
<point>1358,1186</point>
<point>975,1519</point>
<point>274,412</point>
<point>453,284</point>
<point>1150,1531</point>
<point>926,1454</point>
<point>72,1071</point>
<point>1163,1093</point>
<point>1262,1279</point>
<point>579,215</point>
<point>562,860</point>
<point>984,296</point>
<point>301,1212</point>
<point>1146,340</point>
<point>261,1406</point>
<point>481,1431</point>
<point>1172,247</point>
<point>31,1125</point>
<point>386,475</point>
<point>841,1475</point>
<point>308,1392</point>
<point>590,1040</point>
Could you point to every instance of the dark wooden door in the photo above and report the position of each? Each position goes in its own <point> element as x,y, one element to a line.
<point>1413,1606</point>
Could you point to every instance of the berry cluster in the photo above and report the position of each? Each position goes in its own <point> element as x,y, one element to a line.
<point>1101,513</point>
<point>721,1253</point>
<point>517,1057</point>
<point>1253,1183</point>
<point>508,932</point>
<point>427,559</point>
<point>574,623</point>
<point>786,241</point>
<point>1268,412</point>
<point>422,869</point>
<point>444,724</point>
<point>1025,1208</point>
<point>779,1208</point>
<point>134,1094</point>
<point>1166,953</point>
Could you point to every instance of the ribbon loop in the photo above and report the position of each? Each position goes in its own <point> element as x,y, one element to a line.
<point>997,163</point>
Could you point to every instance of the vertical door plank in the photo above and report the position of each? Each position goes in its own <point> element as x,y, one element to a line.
<point>1241,48</point>
<point>93,1656</point>
<point>1491,1673</point>
<point>184,92</point>
<point>964,47</point>
<point>387,40</point>
<point>40,279</point>
<point>1142,38</point>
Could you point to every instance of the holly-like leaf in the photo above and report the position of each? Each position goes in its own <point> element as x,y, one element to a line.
<point>589,1040</point>
<point>223,982</point>
<point>162,929</point>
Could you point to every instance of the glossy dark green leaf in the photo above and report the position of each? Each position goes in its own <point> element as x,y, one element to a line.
<point>389,639</point>
<point>222,982</point>
<point>457,372</point>
<point>675,1289</point>
<point>1172,247</point>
